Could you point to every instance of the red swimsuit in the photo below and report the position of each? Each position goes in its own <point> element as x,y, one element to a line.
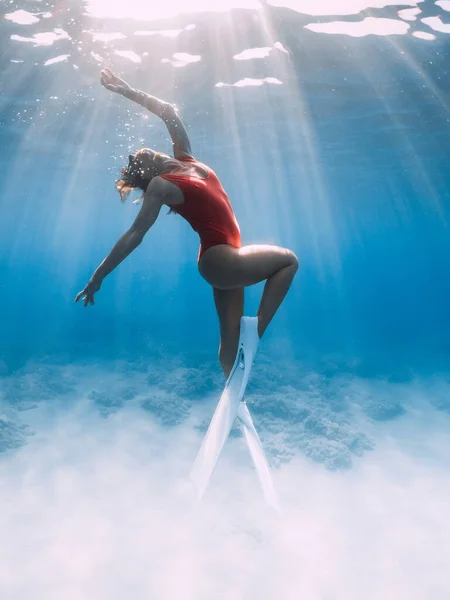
<point>206,208</point>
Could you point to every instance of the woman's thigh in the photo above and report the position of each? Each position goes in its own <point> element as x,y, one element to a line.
<point>225,267</point>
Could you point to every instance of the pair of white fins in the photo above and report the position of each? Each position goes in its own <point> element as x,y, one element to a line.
<point>231,406</point>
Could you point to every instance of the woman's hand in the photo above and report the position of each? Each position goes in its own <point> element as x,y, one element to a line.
<point>88,293</point>
<point>112,82</point>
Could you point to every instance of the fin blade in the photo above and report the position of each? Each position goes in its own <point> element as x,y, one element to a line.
<point>217,434</point>
<point>258,456</point>
<point>227,409</point>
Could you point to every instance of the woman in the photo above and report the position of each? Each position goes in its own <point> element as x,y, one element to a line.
<point>193,190</point>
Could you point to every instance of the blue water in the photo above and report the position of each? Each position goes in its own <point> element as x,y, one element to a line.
<point>102,410</point>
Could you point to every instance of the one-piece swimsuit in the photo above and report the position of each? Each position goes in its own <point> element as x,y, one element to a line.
<point>206,208</point>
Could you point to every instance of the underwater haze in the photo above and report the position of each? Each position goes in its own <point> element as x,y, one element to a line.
<point>328,123</point>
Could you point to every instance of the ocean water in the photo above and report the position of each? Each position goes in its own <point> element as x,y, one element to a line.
<point>328,124</point>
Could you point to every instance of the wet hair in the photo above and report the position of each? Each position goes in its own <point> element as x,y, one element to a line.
<point>132,177</point>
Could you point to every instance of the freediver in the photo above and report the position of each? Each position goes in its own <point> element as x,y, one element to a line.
<point>193,190</point>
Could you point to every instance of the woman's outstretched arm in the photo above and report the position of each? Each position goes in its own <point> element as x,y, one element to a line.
<point>128,242</point>
<point>164,110</point>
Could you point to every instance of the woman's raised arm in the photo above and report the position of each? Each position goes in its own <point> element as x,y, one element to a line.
<point>164,110</point>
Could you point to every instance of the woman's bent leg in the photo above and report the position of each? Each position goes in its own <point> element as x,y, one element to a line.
<point>227,268</point>
<point>275,290</point>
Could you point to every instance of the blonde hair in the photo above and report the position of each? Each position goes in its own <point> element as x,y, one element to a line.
<point>132,175</point>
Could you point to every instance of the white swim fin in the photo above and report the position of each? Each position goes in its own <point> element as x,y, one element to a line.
<point>227,409</point>
<point>258,455</point>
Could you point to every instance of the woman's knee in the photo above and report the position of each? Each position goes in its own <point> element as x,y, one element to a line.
<point>294,259</point>
<point>291,259</point>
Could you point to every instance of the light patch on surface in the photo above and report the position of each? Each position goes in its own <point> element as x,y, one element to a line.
<point>47,38</point>
<point>129,55</point>
<point>22,17</point>
<point>409,14</point>
<point>369,26</point>
<point>279,46</point>
<point>423,35</point>
<point>150,11</point>
<point>182,59</point>
<point>335,7</point>
<point>436,24</point>
<point>169,33</point>
<point>249,82</point>
<point>57,59</point>
<point>273,80</point>
<point>253,53</point>
<point>16,61</point>
<point>263,52</point>
<point>107,37</point>
<point>445,4</point>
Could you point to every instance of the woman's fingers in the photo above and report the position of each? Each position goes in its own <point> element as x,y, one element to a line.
<point>106,78</point>
<point>108,84</point>
<point>80,295</point>
<point>87,297</point>
<point>107,75</point>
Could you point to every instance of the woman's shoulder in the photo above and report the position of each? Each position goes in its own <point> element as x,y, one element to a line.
<point>184,157</point>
